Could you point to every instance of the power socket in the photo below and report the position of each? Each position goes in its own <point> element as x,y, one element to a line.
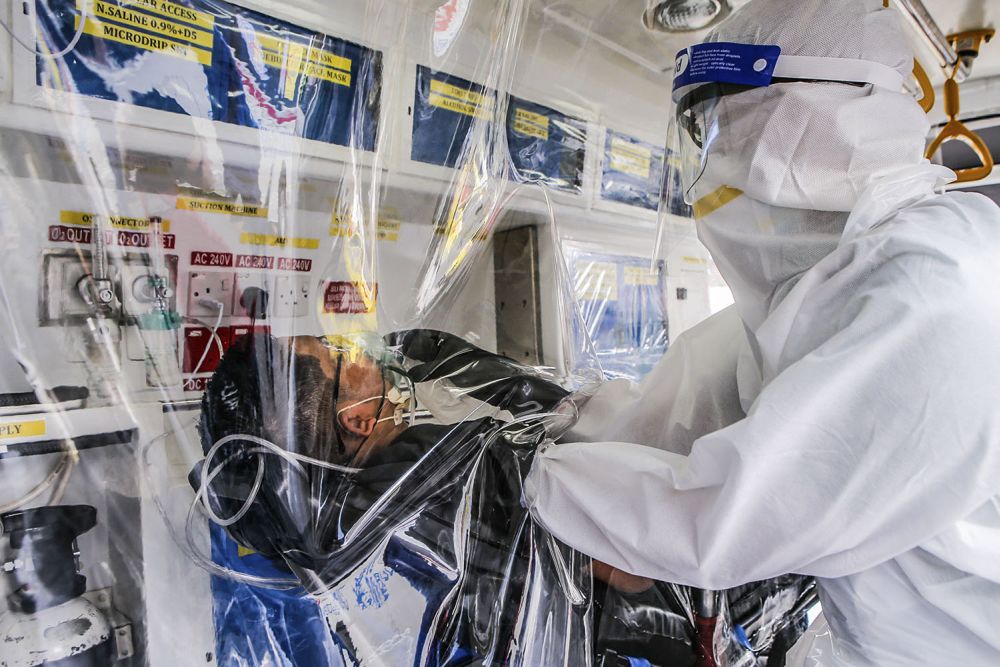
<point>291,296</point>
<point>209,286</point>
<point>254,295</point>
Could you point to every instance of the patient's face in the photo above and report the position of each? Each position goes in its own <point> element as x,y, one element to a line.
<point>363,413</point>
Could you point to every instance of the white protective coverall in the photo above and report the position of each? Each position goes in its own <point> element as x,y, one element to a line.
<point>869,456</point>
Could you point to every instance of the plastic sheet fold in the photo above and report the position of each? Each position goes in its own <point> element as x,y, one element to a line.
<point>287,313</point>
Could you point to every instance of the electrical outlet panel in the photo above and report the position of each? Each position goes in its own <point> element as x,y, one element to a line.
<point>291,296</point>
<point>254,295</point>
<point>205,290</point>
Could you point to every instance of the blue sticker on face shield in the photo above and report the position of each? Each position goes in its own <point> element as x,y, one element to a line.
<point>725,62</point>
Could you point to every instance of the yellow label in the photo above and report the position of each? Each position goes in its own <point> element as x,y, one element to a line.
<point>303,52</point>
<point>119,221</point>
<point>629,166</point>
<point>297,65</point>
<point>213,206</point>
<point>457,106</point>
<point>249,238</point>
<point>173,11</point>
<point>161,26</point>
<point>290,62</point>
<point>711,203</point>
<point>529,130</point>
<point>695,260</point>
<point>531,124</point>
<point>631,159</point>
<point>448,90</point>
<point>641,276</point>
<point>388,228</point>
<point>243,552</point>
<point>29,429</point>
<point>626,147</point>
<point>115,33</point>
<point>596,281</point>
<point>341,226</point>
<point>532,117</point>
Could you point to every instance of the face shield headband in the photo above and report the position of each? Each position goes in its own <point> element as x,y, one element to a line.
<point>707,73</point>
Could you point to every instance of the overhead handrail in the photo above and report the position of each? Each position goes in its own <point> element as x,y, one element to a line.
<point>967,45</point>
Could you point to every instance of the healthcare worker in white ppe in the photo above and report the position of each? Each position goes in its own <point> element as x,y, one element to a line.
<point>867,305</point>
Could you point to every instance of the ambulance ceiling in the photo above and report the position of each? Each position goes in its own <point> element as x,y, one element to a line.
<point>954,16</point>
<point>617,25</point>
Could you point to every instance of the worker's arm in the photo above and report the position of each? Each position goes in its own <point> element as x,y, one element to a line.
<point>694,386</point>
<point>882,436</point>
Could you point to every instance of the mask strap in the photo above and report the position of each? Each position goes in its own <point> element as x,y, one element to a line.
<point>839,70</point>
<point>361,402</point>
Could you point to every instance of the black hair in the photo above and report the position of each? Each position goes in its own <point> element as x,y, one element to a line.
<point>262,388</point>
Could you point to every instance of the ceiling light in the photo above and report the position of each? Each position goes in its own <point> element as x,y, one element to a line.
<point>684,15</point>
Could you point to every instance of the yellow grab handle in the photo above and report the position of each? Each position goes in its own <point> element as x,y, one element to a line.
<point>929,98</point>
<point>957,131</point>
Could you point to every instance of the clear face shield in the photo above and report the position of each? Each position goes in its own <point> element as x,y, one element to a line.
<point>706,74</point>
<point>694,128</point>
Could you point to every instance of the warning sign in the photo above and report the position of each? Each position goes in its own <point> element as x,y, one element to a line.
<point>350,298</point>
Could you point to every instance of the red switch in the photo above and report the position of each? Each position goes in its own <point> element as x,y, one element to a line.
<point>238,331</point>
<point>196,341</point>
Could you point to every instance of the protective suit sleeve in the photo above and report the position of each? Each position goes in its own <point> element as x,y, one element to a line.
<point>862,449</point>
<point>694,386</point>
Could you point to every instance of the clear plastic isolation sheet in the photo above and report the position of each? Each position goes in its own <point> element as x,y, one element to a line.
<point>285,318</point>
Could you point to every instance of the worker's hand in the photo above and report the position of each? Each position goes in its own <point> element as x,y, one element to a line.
<point>620,581</point>
<point>483,375</point>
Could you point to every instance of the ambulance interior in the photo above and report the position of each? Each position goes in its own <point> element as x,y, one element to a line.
<point>180,174</point>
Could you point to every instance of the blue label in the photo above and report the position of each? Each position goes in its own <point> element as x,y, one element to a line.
<point>632,171</point>
<point>215,60</point>
<point>546,146</point>
<point>624,310</point>
<point>725,62</point>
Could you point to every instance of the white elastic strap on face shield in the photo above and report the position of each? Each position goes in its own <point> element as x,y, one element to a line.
<point>813,68</point>
<point>841,70</point>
